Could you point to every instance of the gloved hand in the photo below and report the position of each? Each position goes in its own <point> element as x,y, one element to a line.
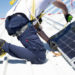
<point>68,17</point>
<point>40,20</point>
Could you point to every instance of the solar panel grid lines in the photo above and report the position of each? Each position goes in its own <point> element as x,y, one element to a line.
<point>70,36</point>
<point>66,42</point>
<point>65,47</point>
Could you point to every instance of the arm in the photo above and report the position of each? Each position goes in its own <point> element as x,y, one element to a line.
<point>61,5</point>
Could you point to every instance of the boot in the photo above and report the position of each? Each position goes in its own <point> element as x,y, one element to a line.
<point>2,52</point>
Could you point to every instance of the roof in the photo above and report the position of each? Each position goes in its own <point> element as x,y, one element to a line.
<point>55,65</point>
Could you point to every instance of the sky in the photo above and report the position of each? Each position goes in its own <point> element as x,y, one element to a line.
<point>4,7</point>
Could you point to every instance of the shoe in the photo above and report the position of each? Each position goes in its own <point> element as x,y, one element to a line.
<point>2,52</point>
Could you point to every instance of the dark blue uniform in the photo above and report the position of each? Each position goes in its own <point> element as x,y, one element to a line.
<point>33,50</point>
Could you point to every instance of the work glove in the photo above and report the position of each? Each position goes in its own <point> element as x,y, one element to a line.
<point>52,45</point>
<point>40,20</point>
<point>68,17</point>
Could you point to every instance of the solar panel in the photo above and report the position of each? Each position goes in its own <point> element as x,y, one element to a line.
<point>65,41</point>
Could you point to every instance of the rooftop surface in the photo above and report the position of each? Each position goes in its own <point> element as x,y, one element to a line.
<point>55,65</point>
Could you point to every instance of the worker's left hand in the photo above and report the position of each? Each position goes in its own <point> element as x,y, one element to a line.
<point>68,17</point>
